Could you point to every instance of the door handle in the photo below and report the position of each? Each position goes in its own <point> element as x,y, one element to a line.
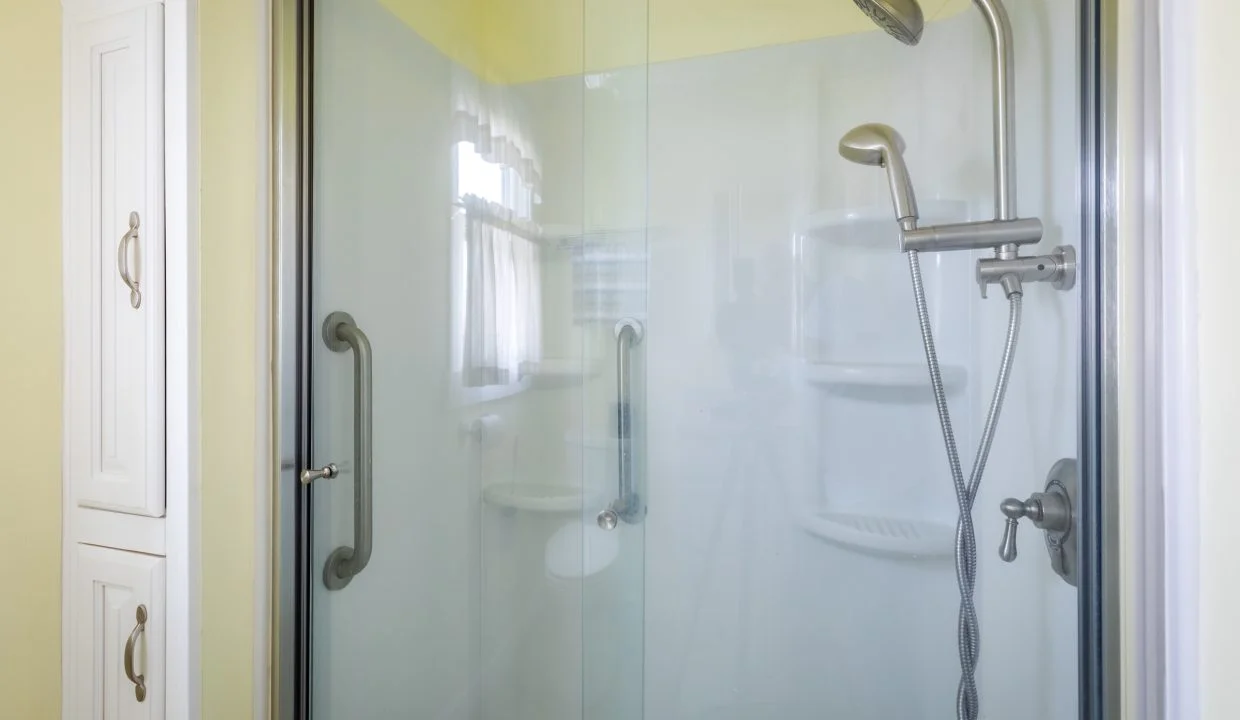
<point>139,681</point>
<point>122,261</point>
<point>327,472</point>
<point>341,333</point>
<point>628,505</point>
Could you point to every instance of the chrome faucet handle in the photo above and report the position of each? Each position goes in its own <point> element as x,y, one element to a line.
<point>1051,511</point>
<point>1015,510</point>
<point>1007,549</point>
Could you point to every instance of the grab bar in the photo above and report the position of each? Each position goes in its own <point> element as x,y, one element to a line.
<point>341,333</point>
<point>628,506</point>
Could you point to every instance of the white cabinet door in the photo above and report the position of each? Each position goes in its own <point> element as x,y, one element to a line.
<point>110,593</point>
<point>114,232</point>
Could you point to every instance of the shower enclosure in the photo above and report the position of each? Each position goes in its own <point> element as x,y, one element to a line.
<point>602,391</point>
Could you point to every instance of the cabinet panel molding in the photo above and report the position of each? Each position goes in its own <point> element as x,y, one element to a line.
<point>114,261</point>
<point>108,591</point>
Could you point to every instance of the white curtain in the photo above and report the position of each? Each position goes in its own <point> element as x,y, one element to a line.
<point>503,297</point>
<point>487,116</point>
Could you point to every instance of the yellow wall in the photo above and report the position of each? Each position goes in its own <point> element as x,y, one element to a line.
<point>30,397</point>
<point>514,41</point>
<point>229,35</point>
<point>1216,103</point>
<point>450,26</point>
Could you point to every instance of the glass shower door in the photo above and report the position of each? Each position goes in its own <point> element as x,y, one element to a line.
<point>478,232</point>
<point>399,637</point>
<point>629,401</point>
<point>610,302</point>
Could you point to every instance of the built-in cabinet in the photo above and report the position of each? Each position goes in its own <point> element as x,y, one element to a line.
<point>116,648</point>
<point>114,364</point>
<point>114,244</point>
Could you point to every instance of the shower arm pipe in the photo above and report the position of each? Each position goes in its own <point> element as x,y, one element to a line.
<point>1006,233</point>
<point>1003,70</point>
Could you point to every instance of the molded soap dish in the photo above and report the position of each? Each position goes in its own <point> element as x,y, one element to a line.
<point>883,375</point>
<point>898,537</point>
<point>552,373</point>
<point>539,497</point>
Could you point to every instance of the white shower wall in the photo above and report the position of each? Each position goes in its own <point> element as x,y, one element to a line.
<point>746,614</point>
<point>721,605</point>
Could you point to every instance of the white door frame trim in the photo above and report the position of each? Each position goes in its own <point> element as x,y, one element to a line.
<point>1178,475</point>
<point>1160,581</point>
<point>184,409</point>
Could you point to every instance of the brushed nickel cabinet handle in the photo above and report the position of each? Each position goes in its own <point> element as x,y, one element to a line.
<point>122,261</point>
<point>139,681</point>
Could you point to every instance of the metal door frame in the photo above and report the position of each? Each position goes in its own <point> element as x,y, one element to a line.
<point>292,91</point>
<point>1099,611</point>
<point>1099,598</point>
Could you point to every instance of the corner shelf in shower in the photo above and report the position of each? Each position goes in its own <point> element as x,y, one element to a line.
<point>894,537</point>
<point>608,269</point>
<point>882,375</point>
<point>539,497</point>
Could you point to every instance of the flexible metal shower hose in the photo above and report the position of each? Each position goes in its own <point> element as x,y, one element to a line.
<point>966,539</point>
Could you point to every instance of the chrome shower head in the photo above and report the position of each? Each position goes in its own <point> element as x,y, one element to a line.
<point>902,19</point>
<point>880,145</point>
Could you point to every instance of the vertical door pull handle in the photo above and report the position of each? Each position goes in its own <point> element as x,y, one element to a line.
<point>341,334</point>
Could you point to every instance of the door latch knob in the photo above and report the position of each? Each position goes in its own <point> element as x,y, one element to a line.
<point>327,472</point>
<point>608,519</point>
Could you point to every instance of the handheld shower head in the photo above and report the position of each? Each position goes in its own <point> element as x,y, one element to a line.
<point>902,19</point>
<point>880,145</point>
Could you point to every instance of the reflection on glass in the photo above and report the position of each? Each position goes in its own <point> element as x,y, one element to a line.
<point>498,283</point>
<point>502,333</point>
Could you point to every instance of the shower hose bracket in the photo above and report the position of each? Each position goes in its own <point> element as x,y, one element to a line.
<point>1058,268</point>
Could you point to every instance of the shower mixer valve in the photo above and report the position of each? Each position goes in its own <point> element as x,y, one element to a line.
<point>1052,511</point>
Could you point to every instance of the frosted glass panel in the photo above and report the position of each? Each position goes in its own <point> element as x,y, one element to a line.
<point>498,186</point>
<point>438,228</point>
